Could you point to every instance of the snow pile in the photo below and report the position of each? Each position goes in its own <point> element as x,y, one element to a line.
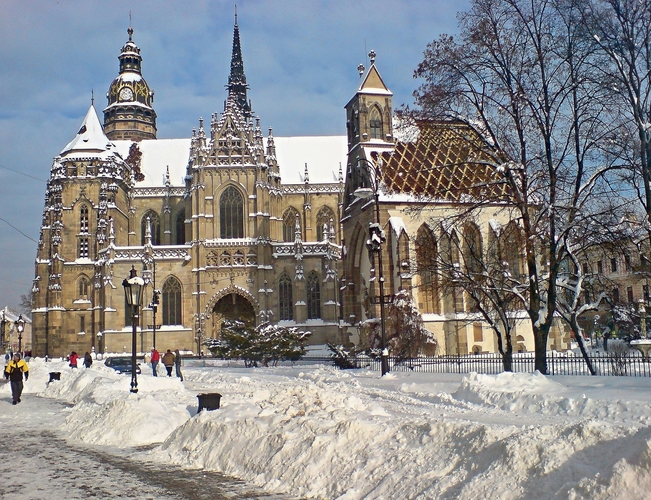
<point>324,433</point>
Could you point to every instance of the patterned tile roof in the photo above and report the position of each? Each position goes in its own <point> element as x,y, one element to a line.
<point>449,161</point>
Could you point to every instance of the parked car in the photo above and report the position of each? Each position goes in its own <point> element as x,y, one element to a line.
<point>121,364</point>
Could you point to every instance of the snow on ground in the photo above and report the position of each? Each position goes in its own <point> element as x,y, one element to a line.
<point>320,432</point>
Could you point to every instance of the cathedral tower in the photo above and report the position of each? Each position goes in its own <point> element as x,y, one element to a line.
<point>129,114</point>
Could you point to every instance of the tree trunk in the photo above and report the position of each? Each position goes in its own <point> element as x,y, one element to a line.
<point>579,340</point>
<point>540,342</point>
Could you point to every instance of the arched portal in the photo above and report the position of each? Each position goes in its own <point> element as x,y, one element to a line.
<point>232,307</point>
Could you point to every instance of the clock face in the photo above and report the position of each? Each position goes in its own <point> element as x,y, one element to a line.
<point>126,94</point>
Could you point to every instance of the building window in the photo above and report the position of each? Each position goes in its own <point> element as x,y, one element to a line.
<point>627,262</point>
<point>324,219</point>
<point>82,324</point>
<point>613,265</point>
<point>286,303</point>
<point>84,286</point>
<point>83,248</point>
<point>154,222</point>
<point>600,267</point>
<point>289,225</point>
<point>231,214</point>
<point>477,332</point>
<point>629,294</point>
<point>180,228</point>
<point>427,264</point>
<point>83,219</point>
<point>585,268</point>
<point>313,297</point>
<point>172,302</point>
<point>375,124</point>
<point>645,292</point>
<point>616,295</point>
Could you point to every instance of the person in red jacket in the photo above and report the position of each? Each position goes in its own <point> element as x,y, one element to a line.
<point>73,359</point>
<point>14,372</point>
<point>155,358</point>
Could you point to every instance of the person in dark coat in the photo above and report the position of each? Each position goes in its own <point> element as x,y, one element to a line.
<point>177,364</point>
<point>14,372</point>
<point>88,360</point>
<point>168,361</point>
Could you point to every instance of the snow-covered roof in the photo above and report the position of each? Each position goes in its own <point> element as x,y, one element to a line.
<point>323,155</point>
<point>157,155</point>
<point>90,138</point>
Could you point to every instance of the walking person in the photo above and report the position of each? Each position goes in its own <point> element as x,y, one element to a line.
<point>88,360</point>
<point>155,358</point>
<point>177,364</point>
<point>14,372</point>
<point>73,359</point>
<point>168,361</point>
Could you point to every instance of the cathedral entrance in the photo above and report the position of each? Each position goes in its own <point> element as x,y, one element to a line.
<point>232,307</point>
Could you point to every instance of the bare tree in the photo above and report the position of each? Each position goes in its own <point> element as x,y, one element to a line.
<point>518,76</point>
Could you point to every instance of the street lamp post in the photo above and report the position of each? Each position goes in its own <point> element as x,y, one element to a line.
<point>20,326</point>
<point>133,294</point>
<point>374,245</point>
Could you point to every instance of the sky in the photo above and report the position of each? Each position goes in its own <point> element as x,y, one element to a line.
<point>300,59</point>
<point>318,432</point>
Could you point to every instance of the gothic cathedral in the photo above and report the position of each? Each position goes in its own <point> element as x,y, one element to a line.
<point>226,224</point>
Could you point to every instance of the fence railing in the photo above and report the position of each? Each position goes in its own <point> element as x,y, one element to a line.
<point>632,365</point>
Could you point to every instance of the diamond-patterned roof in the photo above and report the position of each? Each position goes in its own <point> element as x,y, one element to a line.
<point>448,161</point>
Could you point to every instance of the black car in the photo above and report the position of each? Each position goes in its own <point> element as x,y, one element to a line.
<point>121,364</point>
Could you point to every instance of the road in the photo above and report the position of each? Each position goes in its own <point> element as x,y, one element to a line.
<point>39,464</point>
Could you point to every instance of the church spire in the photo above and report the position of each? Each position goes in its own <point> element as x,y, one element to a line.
<point>237,86</point>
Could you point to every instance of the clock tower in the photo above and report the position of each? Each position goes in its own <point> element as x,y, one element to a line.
<point>129,114</point>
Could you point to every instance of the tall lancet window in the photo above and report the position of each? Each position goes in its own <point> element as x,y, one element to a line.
<point>376,124</point>
<point>231,214</point>
<point>313,296</point>
<point>172,302</point>
<point>154,220</point>
<point>289,225</point>
<point>286,304</point>
<point>323,219</point>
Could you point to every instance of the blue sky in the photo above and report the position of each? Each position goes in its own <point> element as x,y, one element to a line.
<point>300,60</point>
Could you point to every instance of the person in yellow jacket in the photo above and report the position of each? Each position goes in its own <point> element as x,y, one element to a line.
<point>14,372</point>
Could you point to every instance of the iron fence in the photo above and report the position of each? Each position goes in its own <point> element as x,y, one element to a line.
<point>558,363</point>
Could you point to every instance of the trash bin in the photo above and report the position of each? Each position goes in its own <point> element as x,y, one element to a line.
<point>209,401</point>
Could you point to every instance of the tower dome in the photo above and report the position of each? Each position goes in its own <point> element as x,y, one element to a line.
<point>129,113</point>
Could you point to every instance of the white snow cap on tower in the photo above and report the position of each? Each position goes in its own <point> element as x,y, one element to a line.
<point>90,138</point>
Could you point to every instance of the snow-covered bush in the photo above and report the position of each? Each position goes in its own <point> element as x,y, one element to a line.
<point>265,344</point>
<point>341,355</point>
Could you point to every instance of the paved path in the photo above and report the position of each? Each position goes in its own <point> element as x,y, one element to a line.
<point>37,463</point>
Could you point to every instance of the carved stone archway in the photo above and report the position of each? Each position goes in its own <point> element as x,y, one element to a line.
<point>233,303</point>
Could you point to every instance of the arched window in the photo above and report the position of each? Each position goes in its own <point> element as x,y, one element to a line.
<point>172,302</point>
<point>313,296</point>
<point>83,219</point>
<point>376,124</point>
<point>427,268</point>
<point>472,251</point>
<point>180,228</point>
<point>84,287</point>
<point>289,224</point>
<point>286,303</point>
<point>231,214</point>
<point>154,221</point>
<point>512,250</point>
<point>324,217</point>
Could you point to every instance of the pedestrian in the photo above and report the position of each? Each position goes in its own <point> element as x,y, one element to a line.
<point>14,372</point>
<point>7,358</point>
<point>73,359</point>
<point>88,360</point>
<point>177,364</point>
<point>155,358</point>
<point>168,361</point>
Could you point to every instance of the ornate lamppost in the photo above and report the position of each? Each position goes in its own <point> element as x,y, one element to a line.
<point>133,294</point>
<point>374,245</point>
<point>19,324</point>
